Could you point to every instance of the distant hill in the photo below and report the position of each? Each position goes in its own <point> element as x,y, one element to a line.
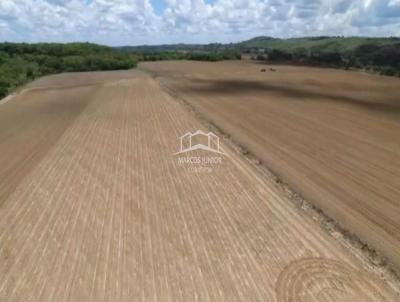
<point>379,55</point>
<point>175,47</point>
<point>322,44</point>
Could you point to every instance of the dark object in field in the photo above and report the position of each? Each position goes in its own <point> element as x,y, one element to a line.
<point>272,69</point>
<point>263,70</point>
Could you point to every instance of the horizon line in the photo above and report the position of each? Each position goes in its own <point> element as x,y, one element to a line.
<point>207,43</point>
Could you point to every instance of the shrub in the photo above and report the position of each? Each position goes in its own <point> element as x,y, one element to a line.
<point>3,89</point>
<point>279,55</point>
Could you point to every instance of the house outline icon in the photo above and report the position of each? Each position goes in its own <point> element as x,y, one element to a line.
<point>212,142</point>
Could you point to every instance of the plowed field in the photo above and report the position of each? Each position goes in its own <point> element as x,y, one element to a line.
<point>95,205</point>
<point>332,135</point>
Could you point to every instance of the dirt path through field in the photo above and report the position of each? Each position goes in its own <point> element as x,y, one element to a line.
<point>111,214</point>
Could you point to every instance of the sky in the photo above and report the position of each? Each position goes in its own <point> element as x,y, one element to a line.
<point>138,22</point>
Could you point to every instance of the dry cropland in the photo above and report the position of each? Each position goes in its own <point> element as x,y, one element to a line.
<point>96,204</point>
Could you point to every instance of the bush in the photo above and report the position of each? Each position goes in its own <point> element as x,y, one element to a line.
<point>327,58</point>
<point>195,55</point>
<point>279,55</point>
<point>3,89</point>
<point>388,71</point>
<point>212,56</point>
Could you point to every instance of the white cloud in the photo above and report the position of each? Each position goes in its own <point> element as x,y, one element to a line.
<point>121,22</point>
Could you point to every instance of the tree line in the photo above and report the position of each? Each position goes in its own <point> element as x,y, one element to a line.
<point>382,59</point>
<point>212,56</point>
<point>22,62</point>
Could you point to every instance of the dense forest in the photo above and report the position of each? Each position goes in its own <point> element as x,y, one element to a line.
<point>21,62</point>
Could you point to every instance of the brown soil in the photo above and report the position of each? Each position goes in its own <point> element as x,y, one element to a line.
<point>107,212</point>
<point>332,135</point>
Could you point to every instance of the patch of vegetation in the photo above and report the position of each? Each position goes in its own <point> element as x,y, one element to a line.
<point>161,56</point>
<point>211,56</point>
<point>317,44</point>
<point>214,56</point>
<point>22,62</point>
<point>381,55</point>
